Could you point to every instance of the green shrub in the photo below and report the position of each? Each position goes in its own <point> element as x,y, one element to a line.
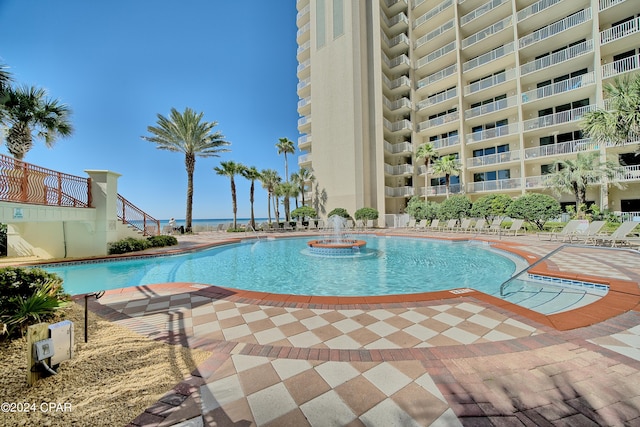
<point>340,212</point>
<point>304,212</point>
<point>422,209</point>
<point>491,206</point>
<point>456,206</point>
<point>535,208</point>
<point>366,214</point>
<point>162,240</point>
<point>129,244</point>
<point>22,282</point>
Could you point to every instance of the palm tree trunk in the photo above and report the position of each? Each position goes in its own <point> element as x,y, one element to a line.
<point>253,220</point>
<point>190,164</point>
<point>447,180</point>
<point>286,168</point>
<point>235,204</point>
<point>269,206</point>
<point>426,179</point>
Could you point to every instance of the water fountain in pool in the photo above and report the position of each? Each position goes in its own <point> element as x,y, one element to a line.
<point>336,243</point>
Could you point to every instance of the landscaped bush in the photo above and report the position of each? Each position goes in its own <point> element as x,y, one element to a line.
<point>421,209</point>
<point>491,206</point>
<point>129,244</point>
<point>340,212</point>
<point>304,212</point>
<point>535,208</point>
<point>455,207</point>
<point>366,214</point>
<point>162,240</point>
<point>28,296</point>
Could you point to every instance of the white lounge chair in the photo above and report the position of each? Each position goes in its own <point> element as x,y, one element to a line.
<point>619,236</point>
<point>465,226</point>
<point>449,226</point>
<point>589,234</point>
<point>480,225</point>
<point>495,226</point>
<point>516,225</point>
<point>434,225</point>
<point>569,229</point>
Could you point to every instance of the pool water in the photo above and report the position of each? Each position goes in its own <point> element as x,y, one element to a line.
<point>389,265</point>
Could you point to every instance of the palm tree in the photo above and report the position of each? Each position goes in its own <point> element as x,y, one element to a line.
<point>620,123</point>
<point>231,169</point>
<point>5,80</point>
<point>301,178</point>
<point>270,180</point>
<point>187,133</point>
<point>252,174</point>
<point>29,114</point>
<point>576,175</point>
<point>285,146</point>
<point>447,166</point>
<point>427,152</point>
<point>286,190</point>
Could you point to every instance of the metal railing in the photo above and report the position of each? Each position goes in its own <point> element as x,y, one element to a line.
<point>557,57</point>
<point>26,183</point>
<point>438,75</point>
<point>621,66</point>
<point>555,28</point>
<point>619,31</point>
<point>559,87</point>
<point>490,81</point>
<point>130,214</point>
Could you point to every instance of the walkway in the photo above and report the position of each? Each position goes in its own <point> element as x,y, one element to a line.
<point>447,358</point>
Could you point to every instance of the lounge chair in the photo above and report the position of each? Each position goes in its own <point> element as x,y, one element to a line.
<point>516,225</point>
<point>369,223</point>
<point>312,225</point>
<point>434,225</point>
<point>411,223</point>
<point>619,236</point>
<point>422,225</point>
<point>480,225</point>
<point>589,234</point>
<point>465,225</point>
<point>495,227</point>
<point>359,224</point>
<point>449,226</point>
<point>569,229</point>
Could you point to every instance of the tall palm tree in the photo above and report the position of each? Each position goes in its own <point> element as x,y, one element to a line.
<point>231,169</point>
<point>620,123</point>
<point>286,190</point>
<point>426,152</point>
<point>301,178</point>
<point>270,180</point>
<point>285,146</point>
<point>187,133</point>
<point>5,80</point>
<point>447,166</point>
<point>252,174</point>
<point>29,114</point>
<point>576,175</point>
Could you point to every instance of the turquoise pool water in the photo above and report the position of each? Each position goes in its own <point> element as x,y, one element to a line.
<point>390,265</point>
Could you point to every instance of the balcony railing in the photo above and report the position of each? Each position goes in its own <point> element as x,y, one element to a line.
<point>625,65</point>
<point>304,158</point>
<point>401,147</point>
<point>303,121</point>
<point>438,121</point>
<point>490,81</point>
<point>486,32</point>
<point>557,57</point>
<point>438,98</point>
<point>492,159</point>
<point>435,33</point>
<point>304,139</point>
<point>398,191</point>
<point>130,214</point>
<point>438,75</point>
<point>568,147</point>
<point>438,190</point>
<point>558,118</point>
<point>304,102</point>
<point>439,53</point>
<point>396,83</point>
<point>492,55</point>
<point>398,126</point>
<point>495,132</point>
<point>398,60</point>
<point>629,173</point>
<point>400,17</point>
<point>304,65</point>
<point>431,13</point>
<point>306,27</point>
<point>26,183</point>
<point>559,87</point>
<point>535,8</point>
<point>399,103</point>
<point>392,42</point>
<point>304,83</point>
<point>498,105</point>
<point>620,31</point>
<point>556,28</point>
<point>446,142</point>
<point>499,184</point>
<point>398,169</point>
<point>606,4</point>
<point>485,8</point>
<point>306,45</point>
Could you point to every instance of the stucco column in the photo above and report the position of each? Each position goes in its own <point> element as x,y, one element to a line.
<point>104,195</point>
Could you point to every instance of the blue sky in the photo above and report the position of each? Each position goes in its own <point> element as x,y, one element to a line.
<point>119,63</point>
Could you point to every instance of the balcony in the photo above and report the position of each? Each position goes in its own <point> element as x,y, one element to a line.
<point>399,64</point>
<point>303,33</point>
<point>535,8</point>
<point>304,159</point>
<point>484,9</point>
<point>557,58</point>
<point>304,121</point>
<point>303,49</point>
<point>305,102</point>
<point>557,118</point>
<point>438,98</point>
<point>491,107</point>
<point>398,170</point>
<point>436,54</point>
<point>555,28</point>
<point>437,76</point>
<point>433,34</point>
<point>303,84</point>
<point>490,81</point>
<point>396,24</point>
<point>499,184</point>
<point>629,173</point>
<point>492,133</point>
<point>422,169</point>
<point>398,106</point>
<point>395,6</point>
<point>494,159</point>
<point>490,56</point>
<point>400,84</point>
<point>304,141</point>
<point>569,147</point>
<point>399,148</point>
<point>397,44</point>
<point>431,13</point>
<point>304,67</point>
<point>439,121</point>
<point>487,32</point>
<point>398,191</point>
<point>558,88</point>
<point>620,31</point>
<point>440,190</point>
<point>403,126</point>
<point>303,14</point>
<point>606,4</point>
<point>446,142</point>
<point>625,65</point>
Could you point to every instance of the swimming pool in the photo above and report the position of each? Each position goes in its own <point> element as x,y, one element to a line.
<point>391,265</point>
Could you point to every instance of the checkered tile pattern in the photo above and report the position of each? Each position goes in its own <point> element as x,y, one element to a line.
<point>417,327</point>
<point>281,392</point>
<point>626,343</point>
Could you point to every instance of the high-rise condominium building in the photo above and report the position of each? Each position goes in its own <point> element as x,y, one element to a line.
<point>500,84</point>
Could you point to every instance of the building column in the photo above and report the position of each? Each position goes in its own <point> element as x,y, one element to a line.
<point>104,196</point>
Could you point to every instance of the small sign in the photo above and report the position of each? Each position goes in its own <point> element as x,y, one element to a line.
<point>17,213</point>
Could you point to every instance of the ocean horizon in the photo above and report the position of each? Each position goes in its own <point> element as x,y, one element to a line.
<point>211,221</point>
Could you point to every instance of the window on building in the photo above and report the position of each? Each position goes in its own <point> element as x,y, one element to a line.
<point>338,18</point>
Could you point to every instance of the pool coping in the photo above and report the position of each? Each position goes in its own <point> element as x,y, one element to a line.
<point>623,295</point>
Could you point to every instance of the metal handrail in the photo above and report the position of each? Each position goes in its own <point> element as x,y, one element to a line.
<point>506,282</point>
<point>132,215</point>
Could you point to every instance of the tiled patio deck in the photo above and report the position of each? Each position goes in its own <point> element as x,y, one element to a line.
<point>445,358</point>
